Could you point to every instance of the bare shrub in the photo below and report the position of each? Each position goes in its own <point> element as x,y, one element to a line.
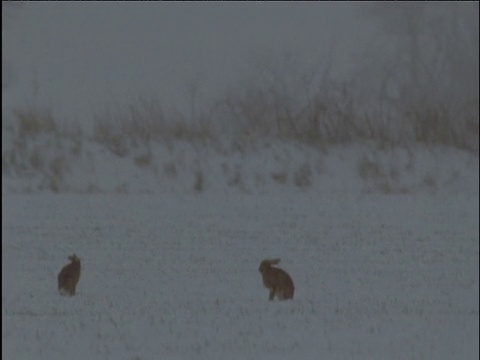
<point>303,176</point>
<point>199,184</point>
<point>280,177</point>
<point>92,189</point>
<point>118,146</point>
<point>367,169</point>
<point>388,187</point>
<point>32,122</point>
<point>144,121</point>
<point>225,168</point>
<point>36,160</point>
<point>235,179</point>
<point>58,167</point>
<point>143,161</point>
<point>121,188</point>
<point>425,94</point>
<point>259,180</point>
<point>170,169</point>
<point>429,181</point>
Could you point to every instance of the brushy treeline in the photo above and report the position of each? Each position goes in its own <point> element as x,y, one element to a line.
<point>36,144</point>
<point>418,84</point>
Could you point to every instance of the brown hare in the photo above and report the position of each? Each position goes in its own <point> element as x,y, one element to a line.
<point>69,276</point>
<point>276,280</point>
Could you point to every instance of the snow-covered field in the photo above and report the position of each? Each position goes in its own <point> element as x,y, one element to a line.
<point>176,276</point>
<point>172,149</point>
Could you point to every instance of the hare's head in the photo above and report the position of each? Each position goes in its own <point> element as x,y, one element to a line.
<point>73,258</point>
<point>267,263</point>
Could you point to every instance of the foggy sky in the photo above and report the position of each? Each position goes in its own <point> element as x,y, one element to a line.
<point>82,58</point>
<point>79,58</point>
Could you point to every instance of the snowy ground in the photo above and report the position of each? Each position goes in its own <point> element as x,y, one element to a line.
<point>381,239</point>
<point>175,276</point>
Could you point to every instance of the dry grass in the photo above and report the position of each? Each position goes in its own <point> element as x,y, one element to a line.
<point>170,169</point>
<point>280,177</point>
<point>302,178</point>
<point>368,169</point>
<point>39,146</point>
<point>199,183</point>
<point>144,160</point>
<point>241,123</point>
<point>31,123</point>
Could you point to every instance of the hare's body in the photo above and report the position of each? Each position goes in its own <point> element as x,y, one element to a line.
<point>69,276</point>
<point>276,280</point>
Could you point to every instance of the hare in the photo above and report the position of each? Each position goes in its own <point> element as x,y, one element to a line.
<point>69,276</point>
<point>276,280</point>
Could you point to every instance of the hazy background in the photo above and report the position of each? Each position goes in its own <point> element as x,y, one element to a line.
<point>81,57</point>
<point>137,79</point>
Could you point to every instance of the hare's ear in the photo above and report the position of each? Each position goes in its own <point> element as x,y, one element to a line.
<point>274,261</point>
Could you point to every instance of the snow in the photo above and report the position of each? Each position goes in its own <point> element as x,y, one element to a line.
<point>382,244</point>
<point>86,166</point>
<point>176,276</point>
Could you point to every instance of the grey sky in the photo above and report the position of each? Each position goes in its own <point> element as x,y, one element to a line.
<point>83,57</point>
